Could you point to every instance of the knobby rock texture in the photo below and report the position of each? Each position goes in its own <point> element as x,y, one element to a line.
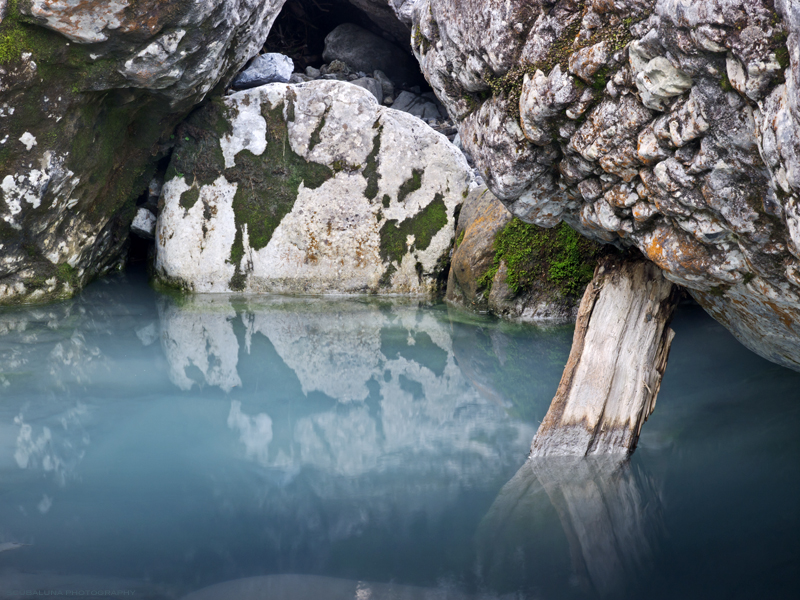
<point>89,93</point>
<point>309,188</point>
<point>672,126</point>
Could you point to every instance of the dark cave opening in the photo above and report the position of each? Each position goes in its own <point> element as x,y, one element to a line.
<point>300,29</point>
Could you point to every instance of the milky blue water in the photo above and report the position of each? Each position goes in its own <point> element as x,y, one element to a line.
<point>278,448</point>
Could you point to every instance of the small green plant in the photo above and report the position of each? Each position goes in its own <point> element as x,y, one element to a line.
<point>719,290</point>
<point>65,272</point>
<point>559,257</point>
<point>725,83</point>
<point>569,269</point>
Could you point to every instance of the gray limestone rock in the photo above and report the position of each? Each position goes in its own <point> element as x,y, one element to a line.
<point>365,51</point>
<point>336,67</point>
<point>386,84</point>
<point>299,78</point>
<point>416,105</point>
<point>671,126</point>
<point>144,224</point>
<point>392,16</point>
<point>264,69</point>
<point>371,85</point>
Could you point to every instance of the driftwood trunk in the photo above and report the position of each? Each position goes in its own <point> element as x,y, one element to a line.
<point>619,354</point>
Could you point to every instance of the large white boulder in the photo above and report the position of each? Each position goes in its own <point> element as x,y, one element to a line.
<point>313,188</point>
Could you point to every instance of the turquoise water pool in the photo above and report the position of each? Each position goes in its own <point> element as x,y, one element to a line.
<point>215,447</point>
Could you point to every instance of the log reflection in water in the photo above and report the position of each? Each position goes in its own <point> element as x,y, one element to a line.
<point>609,510</point>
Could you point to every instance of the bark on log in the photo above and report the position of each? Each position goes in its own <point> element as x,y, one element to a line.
<point>618,357</point>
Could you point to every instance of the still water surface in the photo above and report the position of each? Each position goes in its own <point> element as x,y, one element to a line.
<point>277,448</point>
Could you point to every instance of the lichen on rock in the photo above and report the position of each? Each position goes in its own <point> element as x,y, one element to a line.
<point>310,188</point>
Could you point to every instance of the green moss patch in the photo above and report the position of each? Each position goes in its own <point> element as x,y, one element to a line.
<point>410,185</point>
<point>559,257</point>
<point>371,173</point>
<point>66,273</point>
<point>18,36</point>
<point>423,226</point>
<point>198,156</point>
<point>316,135</point>
<point>189,197</point>
<point>268,184</point>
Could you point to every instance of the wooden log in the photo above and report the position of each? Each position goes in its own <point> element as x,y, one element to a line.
<point>619,354</point>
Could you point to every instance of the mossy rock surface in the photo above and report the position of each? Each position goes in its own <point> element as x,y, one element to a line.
<point>88,112</point>
<point>313,188</point>
<point>510,268</point>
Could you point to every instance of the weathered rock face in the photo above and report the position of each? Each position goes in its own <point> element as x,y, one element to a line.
<point>89,92</point>
<point>313,188</point>
<point>619,354</point>
<point>482,217</point>
<point>672,126</point>
<point>508,268</point>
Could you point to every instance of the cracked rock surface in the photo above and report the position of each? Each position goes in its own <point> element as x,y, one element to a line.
<point>672,126</point>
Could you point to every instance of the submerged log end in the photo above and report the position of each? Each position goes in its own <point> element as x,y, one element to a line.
<point>619,354</point>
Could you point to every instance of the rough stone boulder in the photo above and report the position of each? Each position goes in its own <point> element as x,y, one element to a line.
<point>310,188</point>
<point>669,125</point>
<point>89,93</point>
<point>508,268</point>
<point>265,68</point>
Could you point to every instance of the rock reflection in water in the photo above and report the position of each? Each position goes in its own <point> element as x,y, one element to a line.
<point>199,342</point>
<point>513,365</point>
<point>344,438</point>
<point>50,356</point>
<point>389,369</point>
<point>610,513</point>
